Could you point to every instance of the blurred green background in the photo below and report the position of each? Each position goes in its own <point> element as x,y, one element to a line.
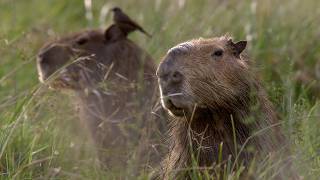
<point>41,137</point>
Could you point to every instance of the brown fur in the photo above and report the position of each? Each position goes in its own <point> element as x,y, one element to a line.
<point>112,79</point>
<point>207,95</point>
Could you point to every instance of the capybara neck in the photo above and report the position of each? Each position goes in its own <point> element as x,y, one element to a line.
<point>204,132</point>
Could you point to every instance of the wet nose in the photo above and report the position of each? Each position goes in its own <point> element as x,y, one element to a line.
<point>41,56</point>
<point>169,72</point>
<point>176,77</point>
<point>47,52</point>
<point>55,51</point>
<point>42,60</point>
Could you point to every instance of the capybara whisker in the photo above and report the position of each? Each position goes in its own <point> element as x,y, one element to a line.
<point>171,95</point>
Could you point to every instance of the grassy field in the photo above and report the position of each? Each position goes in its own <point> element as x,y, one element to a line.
<point>41,138</point>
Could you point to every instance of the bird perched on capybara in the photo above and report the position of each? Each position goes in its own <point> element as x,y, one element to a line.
<point>125,22</point>
<point>112,79</point>
<point>219,111</point>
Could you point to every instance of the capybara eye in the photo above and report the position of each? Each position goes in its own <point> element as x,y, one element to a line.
<point>218,53</point>
<point>81,41</point>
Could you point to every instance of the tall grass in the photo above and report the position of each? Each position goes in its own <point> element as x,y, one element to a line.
<point>40,136</point>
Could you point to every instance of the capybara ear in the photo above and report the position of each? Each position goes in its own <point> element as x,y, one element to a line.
<point>114,33</point>
<point>238,47</point>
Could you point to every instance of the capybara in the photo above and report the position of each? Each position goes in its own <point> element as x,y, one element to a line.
<point>112,78</point>
<point>219,111</point>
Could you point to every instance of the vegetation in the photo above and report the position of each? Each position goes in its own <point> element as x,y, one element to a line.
<point>40,135</point>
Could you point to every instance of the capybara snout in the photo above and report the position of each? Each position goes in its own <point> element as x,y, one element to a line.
<point>51,58</point>
<point>170,79</point>
<point>171,82</point>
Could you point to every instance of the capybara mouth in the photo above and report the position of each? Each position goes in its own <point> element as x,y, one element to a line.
<point>64,82</point>
<point>61,84</point>
<point>174,107</point>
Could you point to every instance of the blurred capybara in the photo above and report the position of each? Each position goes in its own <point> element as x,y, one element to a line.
<point>112,78</point>
<point>219,111</point>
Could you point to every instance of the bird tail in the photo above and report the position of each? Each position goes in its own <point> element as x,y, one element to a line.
<point>146,33</point>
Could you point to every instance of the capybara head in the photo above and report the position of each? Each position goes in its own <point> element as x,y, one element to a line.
<point>82,59</point>
<point>203,74</point>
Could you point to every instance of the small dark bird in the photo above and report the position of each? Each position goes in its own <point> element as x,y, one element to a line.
<point>125,23</point>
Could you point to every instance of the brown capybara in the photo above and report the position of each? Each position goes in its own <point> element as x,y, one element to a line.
<point>112,78</point>
<point>219,111</point>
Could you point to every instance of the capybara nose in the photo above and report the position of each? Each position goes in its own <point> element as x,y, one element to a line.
<point>59,51</point>
<point>170,78</point>
<point>54,55</point>
<point>175,77</point>
<point>41,56</point>
<point>48,52</point>
<point>169,73</point>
